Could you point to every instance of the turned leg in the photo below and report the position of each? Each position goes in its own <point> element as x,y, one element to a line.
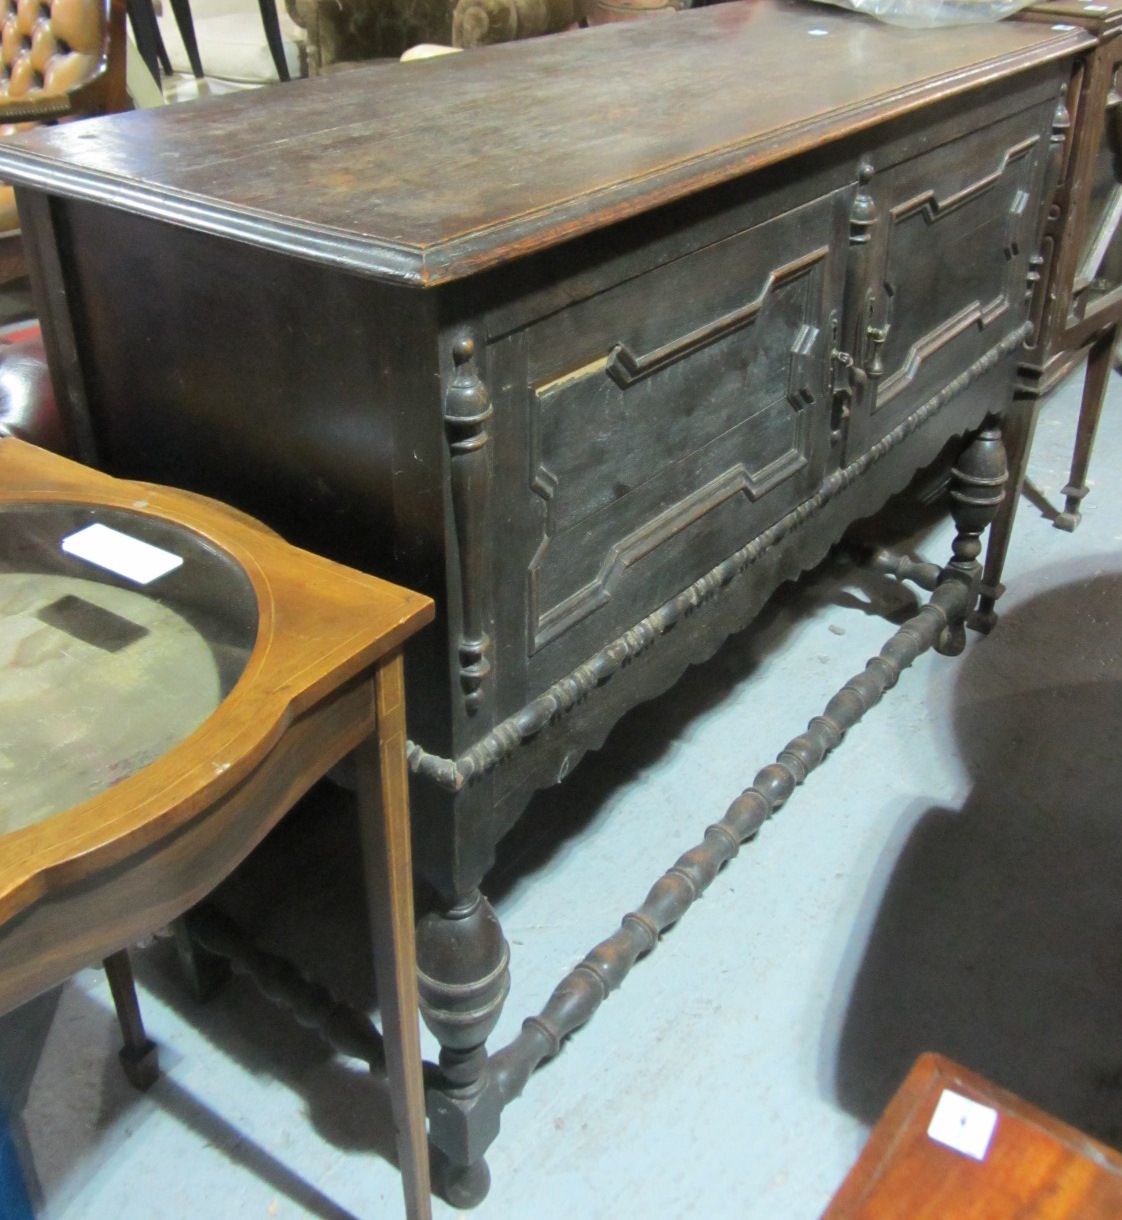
<point>978,487</point>
<point>1099,361</point>
<point>139,1056</point>
<point>462,966</point>
<point>1018,427</point>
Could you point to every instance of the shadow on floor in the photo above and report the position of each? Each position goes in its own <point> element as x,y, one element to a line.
<point>646,733</point>
<point>195,1115</point>
<point>998,939</point>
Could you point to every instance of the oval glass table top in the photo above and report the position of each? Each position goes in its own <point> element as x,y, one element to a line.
<point>124,633</point>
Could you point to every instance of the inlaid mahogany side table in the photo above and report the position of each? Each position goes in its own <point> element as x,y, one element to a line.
<point>173,677</point>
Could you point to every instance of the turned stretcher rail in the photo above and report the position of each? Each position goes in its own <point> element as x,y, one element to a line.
<point>602,971</point>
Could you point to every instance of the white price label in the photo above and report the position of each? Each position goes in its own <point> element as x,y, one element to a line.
<point>116,552</point>
<point>964,1125</point>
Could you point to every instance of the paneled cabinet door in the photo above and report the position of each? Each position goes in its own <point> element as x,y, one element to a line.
<point>951,237</point>
<point>670,419</point>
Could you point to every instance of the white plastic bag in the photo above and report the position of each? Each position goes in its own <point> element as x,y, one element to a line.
<point>921,13</point>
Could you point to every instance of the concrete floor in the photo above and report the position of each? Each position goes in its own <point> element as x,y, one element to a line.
<point>949,881</point>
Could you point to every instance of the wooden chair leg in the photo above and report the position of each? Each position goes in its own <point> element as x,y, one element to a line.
<point>1099,362</point>
<point>181,11</point>
<point>383,805</point>
<point>273,37</point>
<point>146,31</point>
<point>139,1055</point>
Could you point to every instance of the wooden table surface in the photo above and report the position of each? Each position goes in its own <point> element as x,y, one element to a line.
<point>429,171</point>
<point>1035,1168</point>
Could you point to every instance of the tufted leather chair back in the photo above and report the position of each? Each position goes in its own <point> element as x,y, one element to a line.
<point>49,48</point>
<point>60,57</point>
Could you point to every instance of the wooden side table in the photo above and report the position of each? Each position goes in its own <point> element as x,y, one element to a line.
<point>1029,1167</point>
<point>191,675</point>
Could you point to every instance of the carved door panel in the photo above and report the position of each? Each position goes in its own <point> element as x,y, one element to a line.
<point>1098,269</point>
<point>950,239</point>
<point>671,419</point>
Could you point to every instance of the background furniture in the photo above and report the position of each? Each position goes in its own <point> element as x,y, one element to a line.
<point>1034,1165</point>
<point>1081,260</point>
<point>197,709</point>
<point>154,51</point>
<point>58,60</point>
<point>1077,275</point>
<point>597,391</point>
<point>27,403</point>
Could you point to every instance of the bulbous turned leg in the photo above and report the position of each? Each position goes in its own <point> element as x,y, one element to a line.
<point>977,490</point>
<point>463,976</point>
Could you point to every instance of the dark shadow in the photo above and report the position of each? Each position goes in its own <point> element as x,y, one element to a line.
<point>1039,501</point>
<point>354,1100</point>
<point>998,938</point>
<point>300,895</point>
<point>23,1032</point>
<point>237,1147</point>
<point>844,580</point>
<point>555,815</point>
<point>230,1141</point>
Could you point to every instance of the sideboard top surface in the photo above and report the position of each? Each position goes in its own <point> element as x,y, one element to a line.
<point>428,172</point>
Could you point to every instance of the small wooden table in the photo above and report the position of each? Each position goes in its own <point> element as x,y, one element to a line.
<point>175,716</point>
<point>1033,1166</point>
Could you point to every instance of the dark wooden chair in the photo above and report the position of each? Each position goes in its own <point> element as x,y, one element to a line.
<point>150,44</point>
<point>59,59</point>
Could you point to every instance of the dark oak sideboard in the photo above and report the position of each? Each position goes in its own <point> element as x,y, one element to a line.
<point>594,339</point>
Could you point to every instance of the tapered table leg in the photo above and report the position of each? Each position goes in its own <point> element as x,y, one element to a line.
<point>383,804</point>
<point>139,1055</point>
<point>1099,362</point>
<point>148,40</point>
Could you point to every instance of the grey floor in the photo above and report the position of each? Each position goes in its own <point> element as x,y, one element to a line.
<point>951,880</point>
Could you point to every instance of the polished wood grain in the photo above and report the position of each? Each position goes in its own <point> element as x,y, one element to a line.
<point>324,677</point>
<point>425,172</point>
<point>1036,1168</point>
